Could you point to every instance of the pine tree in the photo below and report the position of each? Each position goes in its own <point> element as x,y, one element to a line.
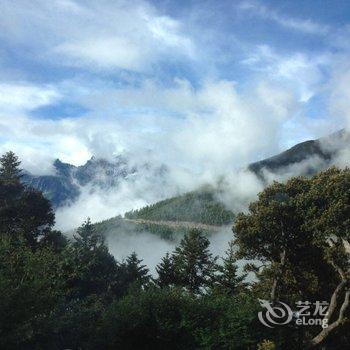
<point>88,237</point>
<point>166,272</point>
<point>23,211</point>
<point>9,167</point>
<point>136,272</point>
<point>228,281</point>
<point>11,188</point>
<point>194,264</point>
<point>90,268</point>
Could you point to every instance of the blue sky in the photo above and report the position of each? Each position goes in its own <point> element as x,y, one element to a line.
<point>195,82</point>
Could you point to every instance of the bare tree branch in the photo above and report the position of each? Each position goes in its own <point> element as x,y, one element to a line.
<point>319,338</point>
<point>326,331</point>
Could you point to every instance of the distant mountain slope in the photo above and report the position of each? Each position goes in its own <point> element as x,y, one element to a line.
<point>296,154</point>
<point>203,205</point>
<point>199,206</point>
<point>65,185</point>
<point>58,189</point>
<point>323,149</point>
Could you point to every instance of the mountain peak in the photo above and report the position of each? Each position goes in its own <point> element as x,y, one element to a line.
<point>63,169</point>
<point>324,148</point>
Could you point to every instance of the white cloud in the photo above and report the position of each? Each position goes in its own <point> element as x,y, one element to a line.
<point>238,189</point>
<point>152,249</point>
<point>98,204</point>
<point>209,126</point>
<point>339,90</point>
<point>306,26</point>
<point>304,73</point>
<point>21,96</point>
<point>213,127</point>
<point>104,52</point>
<point>103,35</point>
<point>200,133</point>
<point>37,141</point>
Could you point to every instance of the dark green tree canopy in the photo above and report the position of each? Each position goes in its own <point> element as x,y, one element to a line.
<point>87,236</point>
<point>23,211</point>
<point>194,264</point>
<point>9,167</point>
<point>166,272</point>
<point>227,280</point>
<point>71,293</point>
<point>136,272</point>
<point>300,232</point>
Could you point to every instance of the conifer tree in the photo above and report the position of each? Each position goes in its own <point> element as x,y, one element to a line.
<point>23,211</point>
<point>90,268</point>
<point>136,271</point>
<point>194,264</point>
<point>88,237</point>
<point>228,281</point>
<point>10,187</point>
<point>166,272</point>
<point>9,167</point>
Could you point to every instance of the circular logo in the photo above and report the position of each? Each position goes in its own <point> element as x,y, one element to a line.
<point>278,314</point>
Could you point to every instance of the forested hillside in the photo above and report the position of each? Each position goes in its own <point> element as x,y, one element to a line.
<point>199,206</point>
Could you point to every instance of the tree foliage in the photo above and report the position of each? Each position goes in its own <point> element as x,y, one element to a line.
<point>59,293</point>
<point>300,232</point>
<point>194,264</point>
<point>228,280</point>
<point>23,211</point>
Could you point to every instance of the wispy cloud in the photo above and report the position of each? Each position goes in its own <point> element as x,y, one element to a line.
<point>103,35</point>
<point>302,25</point>
<point>339,91</point>
<point>215,125</point>
<point>210,120</point>
<point>305,73</point>
<point>24,96</point>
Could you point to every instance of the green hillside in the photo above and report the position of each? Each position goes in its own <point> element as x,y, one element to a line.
<point>169,218</point>
<point>198,206</point>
